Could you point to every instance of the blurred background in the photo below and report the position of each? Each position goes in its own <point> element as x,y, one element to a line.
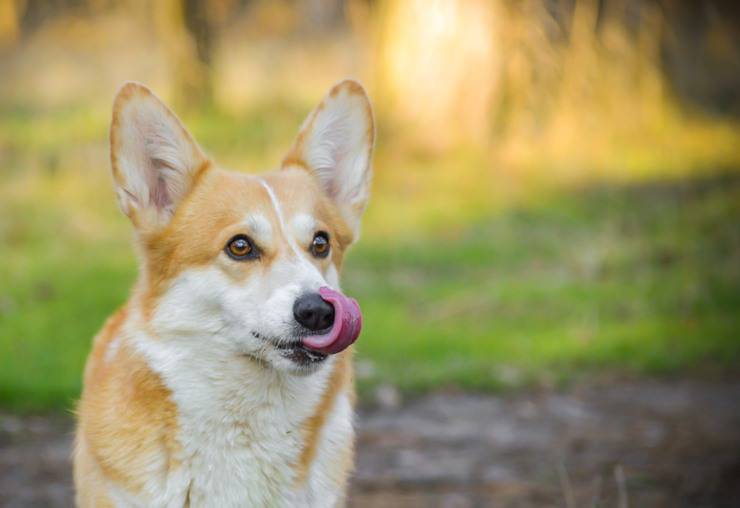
<point>550,262</point>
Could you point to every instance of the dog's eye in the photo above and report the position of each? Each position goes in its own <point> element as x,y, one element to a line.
<point>240,248</point>
<point>320,245</point>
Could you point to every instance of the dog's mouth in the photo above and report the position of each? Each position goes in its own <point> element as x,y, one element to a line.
<point>293,349</point>
<point>306,347</point>
<point>296,352</point>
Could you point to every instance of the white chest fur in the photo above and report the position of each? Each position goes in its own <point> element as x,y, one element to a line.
<point>240,433</point>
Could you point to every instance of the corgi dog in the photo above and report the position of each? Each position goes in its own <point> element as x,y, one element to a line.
<point>226,379</point>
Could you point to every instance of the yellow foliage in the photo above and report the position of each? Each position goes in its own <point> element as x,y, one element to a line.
<point>570,101</point>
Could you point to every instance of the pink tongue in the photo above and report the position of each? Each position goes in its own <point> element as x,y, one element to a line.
<point>346,327</point>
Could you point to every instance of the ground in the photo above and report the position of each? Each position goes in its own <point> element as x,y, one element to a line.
<point>652,443</point>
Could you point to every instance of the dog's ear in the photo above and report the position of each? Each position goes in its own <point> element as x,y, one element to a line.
<point>155,160</point>
<point>335,144</point>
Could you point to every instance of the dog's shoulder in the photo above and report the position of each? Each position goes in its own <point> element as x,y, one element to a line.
<point>128,419</point>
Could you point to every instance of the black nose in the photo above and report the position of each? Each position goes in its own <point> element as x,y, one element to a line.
<point>313,312</point>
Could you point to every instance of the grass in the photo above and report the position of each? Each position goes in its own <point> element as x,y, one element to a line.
<point>644,279</point>
<point>467,276</point>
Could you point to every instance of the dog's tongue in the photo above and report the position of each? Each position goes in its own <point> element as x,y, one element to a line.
<point>346,327</point>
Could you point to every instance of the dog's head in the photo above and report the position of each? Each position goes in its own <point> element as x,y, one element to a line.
<point>248,264</point>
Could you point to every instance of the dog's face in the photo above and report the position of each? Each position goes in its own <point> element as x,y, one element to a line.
<point>247,264</point>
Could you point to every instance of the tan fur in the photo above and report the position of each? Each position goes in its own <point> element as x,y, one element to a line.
<point>127,419</point>
<point>125,413</point>
<point>299,191</point>
<point>227,197</point>
<point>129,92</point>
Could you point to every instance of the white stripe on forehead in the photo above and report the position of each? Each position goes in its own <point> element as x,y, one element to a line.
<point>279,213</point>
<point>301,258</point>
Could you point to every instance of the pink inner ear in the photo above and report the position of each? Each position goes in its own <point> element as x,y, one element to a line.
<point>159,196</point>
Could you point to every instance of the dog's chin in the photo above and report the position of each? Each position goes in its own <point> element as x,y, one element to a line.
<point>293,358</point>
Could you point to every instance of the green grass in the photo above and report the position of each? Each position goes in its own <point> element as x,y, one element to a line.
<point>645,280</point>
<point>642,279</point>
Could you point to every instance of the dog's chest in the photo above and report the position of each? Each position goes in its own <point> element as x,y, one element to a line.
<point>235,463</point>
<point>242,434</point>
<point>258,464</point>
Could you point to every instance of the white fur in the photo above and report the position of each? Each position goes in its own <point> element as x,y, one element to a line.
<point>260,226</point>
<point>212,340</point>
<point>337,147</point>
<point>239,430</point>
<point>112,350</point>
<point>303,227</point>
<point>240,402</point>
<point>155,158</point>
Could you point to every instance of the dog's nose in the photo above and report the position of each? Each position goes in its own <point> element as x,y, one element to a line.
<point>313,312</point>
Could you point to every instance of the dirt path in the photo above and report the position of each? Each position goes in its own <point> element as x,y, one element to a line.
<point>647,443</point>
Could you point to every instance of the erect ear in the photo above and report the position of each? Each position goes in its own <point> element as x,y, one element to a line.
<point>154,159</point>
<point>335,144</point>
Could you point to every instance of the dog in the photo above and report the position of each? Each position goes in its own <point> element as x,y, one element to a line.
<point>226,379</point>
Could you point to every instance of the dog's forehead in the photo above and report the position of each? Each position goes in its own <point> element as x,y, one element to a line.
<point>234,197</point>
<point>304,205</point>
<point>295,190</point>
<point>286,205</point>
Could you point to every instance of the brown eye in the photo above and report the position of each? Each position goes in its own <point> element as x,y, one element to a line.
<point>241,247</point>
<point>320,245</point>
